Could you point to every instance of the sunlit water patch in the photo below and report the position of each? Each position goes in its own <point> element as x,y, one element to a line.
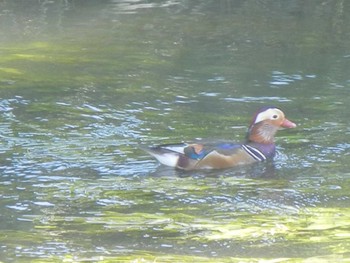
<point>280,78</point>
<point>207,216</point>
<point>132,7</point>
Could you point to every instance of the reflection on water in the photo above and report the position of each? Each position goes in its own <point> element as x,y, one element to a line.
<point>133,7</point>
<point>84,83</point>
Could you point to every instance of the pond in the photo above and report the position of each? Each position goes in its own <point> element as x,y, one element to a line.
<point>84,84</point>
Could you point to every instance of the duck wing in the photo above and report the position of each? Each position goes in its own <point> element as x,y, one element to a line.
<point>200,155</point>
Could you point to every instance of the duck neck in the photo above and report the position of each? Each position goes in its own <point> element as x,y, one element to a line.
<point>261,133</point>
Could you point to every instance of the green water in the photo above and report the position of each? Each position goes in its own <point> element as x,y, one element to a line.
<point>84,83</point>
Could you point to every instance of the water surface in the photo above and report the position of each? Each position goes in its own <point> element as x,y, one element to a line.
<point>84,84</point>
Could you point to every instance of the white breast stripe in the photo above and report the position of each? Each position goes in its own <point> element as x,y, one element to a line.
<point>254,152</point>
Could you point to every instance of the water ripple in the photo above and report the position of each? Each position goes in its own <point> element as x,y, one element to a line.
<point>257,99</point>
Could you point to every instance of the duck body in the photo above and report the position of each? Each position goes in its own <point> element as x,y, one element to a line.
<point>204,155</point>
<point>258,146</point>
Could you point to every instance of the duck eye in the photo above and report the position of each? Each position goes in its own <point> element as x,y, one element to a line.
<point>274,116</point>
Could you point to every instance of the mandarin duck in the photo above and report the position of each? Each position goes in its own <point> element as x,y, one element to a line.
<point>258,146</point>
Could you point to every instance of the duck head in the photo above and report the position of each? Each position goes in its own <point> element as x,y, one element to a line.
<point>266,122</point>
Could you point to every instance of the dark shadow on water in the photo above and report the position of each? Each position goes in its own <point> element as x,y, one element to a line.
<point>265,170</point>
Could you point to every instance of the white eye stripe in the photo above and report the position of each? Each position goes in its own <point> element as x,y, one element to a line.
<point>268,114</point>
